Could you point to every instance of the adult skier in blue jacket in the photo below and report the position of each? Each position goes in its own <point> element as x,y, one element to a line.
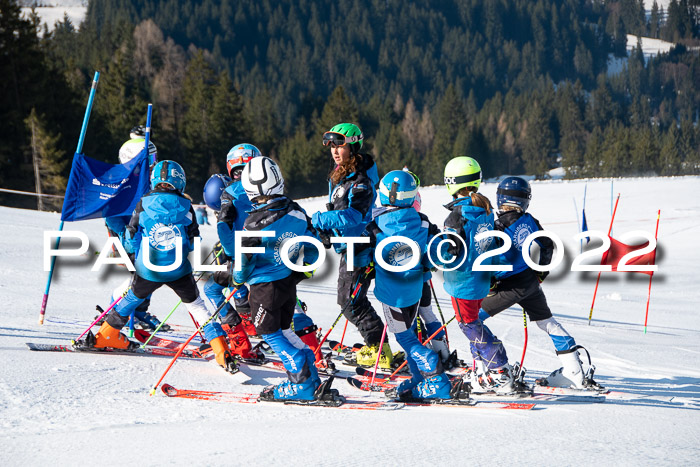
<point>351,198</point>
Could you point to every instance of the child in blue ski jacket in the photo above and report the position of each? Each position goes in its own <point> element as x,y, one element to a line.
<point>400,292</point>
<point>160,234</point>
<point>233,206</point>
<point>470,215</point>
<point>522,284</point>
<point>272,283</point>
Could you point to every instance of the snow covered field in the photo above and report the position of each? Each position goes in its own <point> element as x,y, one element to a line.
<point>51,11</point>
<point>67,408</point>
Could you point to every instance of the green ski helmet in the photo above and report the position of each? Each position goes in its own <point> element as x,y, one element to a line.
<point>461,172</point>
<point>344,133</point>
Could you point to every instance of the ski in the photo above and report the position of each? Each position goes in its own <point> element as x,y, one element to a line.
<point>487,404</point>
<point>244,398</point>
<point>156,351</point>
<point>335,346</point>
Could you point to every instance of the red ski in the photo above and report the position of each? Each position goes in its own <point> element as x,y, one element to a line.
<point>243,398</point>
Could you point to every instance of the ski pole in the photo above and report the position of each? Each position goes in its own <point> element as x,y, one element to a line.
<point>143,346</point>
<point>442,317</point>
<point>347,305</point>
<point>100,317</point>
<point>342,338</point>
<point>182,347</point>
<point>426,341</point>
<point>379,354</point>
<point>522,359</point>
<point>419,329</point>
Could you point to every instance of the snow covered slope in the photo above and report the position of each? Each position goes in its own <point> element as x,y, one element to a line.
<point>51,11</point>
<point>61,408</point>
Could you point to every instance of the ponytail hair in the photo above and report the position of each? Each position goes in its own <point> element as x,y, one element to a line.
<point>478,199</point>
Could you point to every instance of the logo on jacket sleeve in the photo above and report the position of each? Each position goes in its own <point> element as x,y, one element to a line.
<point>163,237</point>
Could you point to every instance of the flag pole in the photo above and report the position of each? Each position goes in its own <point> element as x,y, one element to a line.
<point>78,150</point>
<point>595,292</point>
<point>578,222</point>
<point>651,276</point>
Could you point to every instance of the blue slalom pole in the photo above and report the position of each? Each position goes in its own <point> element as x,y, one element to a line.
<point>151,162</point>
<point>78,150</point>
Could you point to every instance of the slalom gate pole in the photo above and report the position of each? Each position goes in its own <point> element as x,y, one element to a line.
<point>379,354</point>
<point>347,305</point>
<point>147,137</point>
<point>342,338</point>
<point>656,233</point>
<point>442,317</point>
<point>143,346</point>
<point>196,325</point>
<point>595,292</point>
<point>184,345</point>
<point>522,359</point>
<point>100,317</point>
<point>426,341</point>
<point>79,149</point>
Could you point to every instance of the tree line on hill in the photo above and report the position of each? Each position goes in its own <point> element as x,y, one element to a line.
<point>521,85</point>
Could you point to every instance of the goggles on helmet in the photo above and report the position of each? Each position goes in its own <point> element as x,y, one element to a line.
<point>339,139</point>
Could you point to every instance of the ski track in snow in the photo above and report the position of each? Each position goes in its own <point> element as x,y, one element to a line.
<point>59,408</point>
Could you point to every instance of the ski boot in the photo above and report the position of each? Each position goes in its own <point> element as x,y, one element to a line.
<point>367,356</point>
<point>107,337</point>
<point>239,344</point>
<point>148,322</point>
<point>571,374</point>
<point>288,391</point>
<point>223,354</point>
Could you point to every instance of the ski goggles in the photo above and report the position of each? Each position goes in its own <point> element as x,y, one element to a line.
<point>339,139</point>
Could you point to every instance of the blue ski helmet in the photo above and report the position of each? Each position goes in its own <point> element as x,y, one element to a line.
<point>240,155</point>
<point>397,188</point>
<point>213,189</point>
<point>169,172</point>
<point>515,192</point>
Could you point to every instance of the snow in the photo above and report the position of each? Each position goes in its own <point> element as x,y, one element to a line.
<point>650,49</point>
<point>52,11</point>
<point>58,408</point>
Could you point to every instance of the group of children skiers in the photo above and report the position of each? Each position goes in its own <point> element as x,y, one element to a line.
<point>251,198</point>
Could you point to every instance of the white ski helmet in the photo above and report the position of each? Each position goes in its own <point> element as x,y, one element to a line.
<point>133,147</point>
<point>262,177</point>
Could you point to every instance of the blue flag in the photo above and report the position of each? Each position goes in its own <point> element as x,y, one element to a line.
<point>584,225</point>
<point>98,189</point>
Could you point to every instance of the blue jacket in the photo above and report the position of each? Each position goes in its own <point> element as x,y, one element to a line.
<point>399,289</point>
<point>518,226</point>
<point>162,216</point>
<point>351,200</point>
<point>234,211</point>
<point>466,220</point>
<point>117,225</point>
<point>287,219</point>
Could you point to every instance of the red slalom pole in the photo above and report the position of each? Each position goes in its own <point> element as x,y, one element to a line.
<point>379,354</point>
<point>595,292</point>
<point>183,346</point>
<point>196,324</point>
<point>656,233</point>
<point>342,338</point>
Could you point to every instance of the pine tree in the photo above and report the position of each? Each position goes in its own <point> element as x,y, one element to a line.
<point>538,142</point>
<point>50,161</point>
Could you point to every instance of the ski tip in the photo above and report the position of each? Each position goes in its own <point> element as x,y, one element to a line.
<point>354,382</point>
